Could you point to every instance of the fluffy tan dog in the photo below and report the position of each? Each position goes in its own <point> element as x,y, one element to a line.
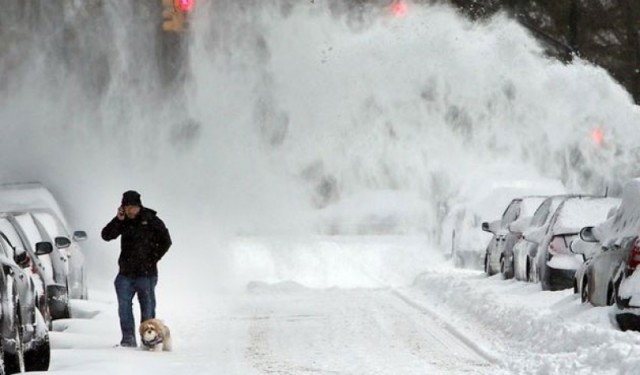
<point>155,335</point>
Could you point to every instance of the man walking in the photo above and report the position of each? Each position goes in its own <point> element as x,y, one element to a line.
<point>144,240</point>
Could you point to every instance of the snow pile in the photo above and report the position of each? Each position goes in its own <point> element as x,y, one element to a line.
<point>331,261</point>
<point>535,332</point>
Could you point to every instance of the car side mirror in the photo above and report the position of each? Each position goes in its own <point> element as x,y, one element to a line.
<point>62,242</point>
<point>586,234</point>
<point>491,227</point>
<point>43,248</point>
<point>79,235</point>
<point>485,227</point>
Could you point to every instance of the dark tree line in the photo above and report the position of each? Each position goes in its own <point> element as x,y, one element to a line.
<point>602,32</point>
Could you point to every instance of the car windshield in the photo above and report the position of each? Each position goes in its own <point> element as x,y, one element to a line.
<point>7,228</point>
<point>50,224</point>
<point>5,248</point>
<point>512,213</point>
<point>30,229</point>
<point>541,214</point>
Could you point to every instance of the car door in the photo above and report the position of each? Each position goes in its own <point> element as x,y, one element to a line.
<point>24,284</point>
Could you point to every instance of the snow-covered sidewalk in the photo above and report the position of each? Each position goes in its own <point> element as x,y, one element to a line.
<point>532,331</point>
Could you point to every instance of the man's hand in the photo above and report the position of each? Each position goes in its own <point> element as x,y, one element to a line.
<point>120,214</point>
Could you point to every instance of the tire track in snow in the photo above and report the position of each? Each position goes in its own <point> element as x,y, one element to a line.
<point>466,342</point>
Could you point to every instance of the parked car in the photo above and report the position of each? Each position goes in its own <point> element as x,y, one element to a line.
<point>50,266</point>
<point>554,262</point>
<point>37,199</point>
<point>627,310</point>
<point>524,252</point>
<point>25,337</point>
<point>499,255</point>
<point>619,258</point>
<point>595,279</point>
<point>71,255</point>
<point>31,263</point>
<point>462,226</point>
<point>599,276</point>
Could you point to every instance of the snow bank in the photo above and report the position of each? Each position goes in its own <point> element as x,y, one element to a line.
<point>535,332</point>
<point>332,261</point>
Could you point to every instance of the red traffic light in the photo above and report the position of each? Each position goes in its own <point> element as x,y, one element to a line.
<point>399,8</point>
<point>185,5</point>
<point>597,135</point>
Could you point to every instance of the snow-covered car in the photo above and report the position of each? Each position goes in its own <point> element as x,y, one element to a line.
<point>595,280</point>
<point>554,262</point>
<point>599,276</point>
<point>37,199</point>
<point>71,255</point>
<point>614,266</point>
<point>524,251</point>
<point>461,231</point>
<point>499,254</point>
<point>627,310</point>
<point>25,337</point>
<point>30,262</point>
<point>51,266</point>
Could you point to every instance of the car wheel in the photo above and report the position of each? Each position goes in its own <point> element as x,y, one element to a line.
<point>2,368</point>
<point>43,309</point>
<point>58,301</point>
<point>37,358</point>
<point>507,273</point>
<point>611,294</point>
<point>14,360</point>
<point>486,264</point>
<point>85,288</point>
<point>584,294</point>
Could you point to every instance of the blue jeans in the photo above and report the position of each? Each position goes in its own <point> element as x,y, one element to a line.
<point>126,288</point>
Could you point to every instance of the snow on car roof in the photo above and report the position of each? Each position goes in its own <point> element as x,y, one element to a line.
<point>530,204</point>
<point>491,204</point>
<point>578,212</point>
<point>625,221</point>
<point>28,196</point>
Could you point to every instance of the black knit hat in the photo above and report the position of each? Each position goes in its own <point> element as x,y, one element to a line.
<point>131,198</point>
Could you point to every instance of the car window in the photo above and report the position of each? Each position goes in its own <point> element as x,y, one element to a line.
<point>29,228</point>
<point>511,213</point>
<point>6,248</point>
<point>10,231</point>
<point>540,216</point>
<point>51,224</point>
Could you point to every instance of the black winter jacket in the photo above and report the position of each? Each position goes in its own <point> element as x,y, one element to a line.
<point>144,242</point>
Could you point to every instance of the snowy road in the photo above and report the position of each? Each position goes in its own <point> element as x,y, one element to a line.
<point>287,329</point>
<point>372,326</point>
<point>403,318</point>
<point>351,332</point>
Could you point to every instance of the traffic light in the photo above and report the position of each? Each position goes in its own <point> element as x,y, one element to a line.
<point>174,14</point>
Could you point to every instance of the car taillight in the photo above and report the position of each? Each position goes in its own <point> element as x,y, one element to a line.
<point>634,256</point>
